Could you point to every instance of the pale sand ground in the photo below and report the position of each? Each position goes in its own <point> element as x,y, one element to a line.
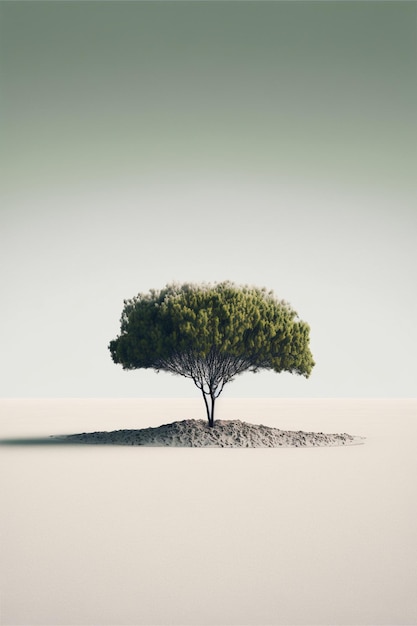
<point>111,535</point>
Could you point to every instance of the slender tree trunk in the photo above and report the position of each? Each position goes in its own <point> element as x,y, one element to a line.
<point>209,407</point>
<point>211,420</point>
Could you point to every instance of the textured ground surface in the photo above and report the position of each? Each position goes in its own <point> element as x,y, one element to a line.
<point>225,434</point>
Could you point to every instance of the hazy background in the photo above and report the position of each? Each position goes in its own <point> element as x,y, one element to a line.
<point>270,143</point>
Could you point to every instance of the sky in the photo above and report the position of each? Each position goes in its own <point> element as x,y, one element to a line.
<point>266,143</point>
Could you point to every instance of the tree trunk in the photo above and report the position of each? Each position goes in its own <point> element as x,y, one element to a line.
<point>209,400</point>
<point>211,420</point>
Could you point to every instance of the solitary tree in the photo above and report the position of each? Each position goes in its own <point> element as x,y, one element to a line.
<point>211,333</point>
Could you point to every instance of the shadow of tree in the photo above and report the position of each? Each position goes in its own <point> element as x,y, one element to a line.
<point>40,441</point>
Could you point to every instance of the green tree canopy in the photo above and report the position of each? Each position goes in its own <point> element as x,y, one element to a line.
<point>211,333</point>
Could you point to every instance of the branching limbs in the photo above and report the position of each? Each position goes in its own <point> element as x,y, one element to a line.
<point>209,373</point>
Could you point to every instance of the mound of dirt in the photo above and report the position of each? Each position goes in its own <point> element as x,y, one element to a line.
<point>224,434</point>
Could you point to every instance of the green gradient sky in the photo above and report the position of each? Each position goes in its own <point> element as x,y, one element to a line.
<point>300,89</point>
<point>262,142</point>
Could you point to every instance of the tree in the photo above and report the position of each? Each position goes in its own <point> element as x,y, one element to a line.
<point>211,333</point>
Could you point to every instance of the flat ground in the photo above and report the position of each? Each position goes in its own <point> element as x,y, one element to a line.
<point>115,535</point>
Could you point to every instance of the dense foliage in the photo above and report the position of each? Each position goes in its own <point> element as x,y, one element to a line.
<point>211,333</point>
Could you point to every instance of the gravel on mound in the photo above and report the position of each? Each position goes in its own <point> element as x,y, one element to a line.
<point>224,434</point>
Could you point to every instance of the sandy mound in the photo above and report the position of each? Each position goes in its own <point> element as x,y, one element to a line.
<point>225,434</point>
